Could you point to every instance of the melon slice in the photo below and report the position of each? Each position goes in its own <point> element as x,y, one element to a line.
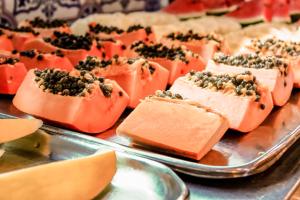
<point>12,73</point>
<point>274,73</point>
<point>138,77</point>
<point>245,109</point>
<point>12,129</point>
<point>185,8</point>
<point>280,11</point>
<point>178,60</point>
<point>46,28</point>
<point>75,48</point>
<point>198,131</point>
<point>5,43</point>
<point>249,12</point>
<point>276,47</point>
<point>75,100</point>
<point>34,59</point>
<point>203,44</point>
<point>81,178</point>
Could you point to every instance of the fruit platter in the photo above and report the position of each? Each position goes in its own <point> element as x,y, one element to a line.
<point>209,89</point>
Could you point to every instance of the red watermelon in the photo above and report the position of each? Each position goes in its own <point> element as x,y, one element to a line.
<point>186,8</point>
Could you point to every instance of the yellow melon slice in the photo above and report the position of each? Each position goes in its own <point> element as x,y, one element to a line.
<point>11,129</point>
<point>81,178</point>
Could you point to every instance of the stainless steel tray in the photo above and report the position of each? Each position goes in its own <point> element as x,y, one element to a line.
<point>136,178</point>
<point>236,155</point>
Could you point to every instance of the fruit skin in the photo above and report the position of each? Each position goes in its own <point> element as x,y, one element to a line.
<point>11,76</point>
<point>102,111</point>
<point>80,178</point>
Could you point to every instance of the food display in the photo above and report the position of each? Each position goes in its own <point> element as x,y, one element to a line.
<point>172,85</point>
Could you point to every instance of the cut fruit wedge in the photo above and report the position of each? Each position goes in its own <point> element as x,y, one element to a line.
<point>12,129</point>
<point>81,178</point>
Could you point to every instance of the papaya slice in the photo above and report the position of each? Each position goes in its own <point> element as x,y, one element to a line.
<point>19,36</point>
<point>203,44</point>
<point>5,43</point>
<point>138,77</point>
<point>76,100</point>
<point>199,129</point>
<point>46,28</point>
<point>34,59</point>
<point>277,47</point>
<point>12,129</point>
<point>177,60</point>
<point>137,33</point>
<point>12,73</point>
<point>74,47</point>
<point>35,182</point>
<point>275,73</point>
<point>240,98</point>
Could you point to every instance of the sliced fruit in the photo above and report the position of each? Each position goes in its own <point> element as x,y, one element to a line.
<point>186,8</point>
<point>12,73</point>
<point>280,11</point>
<point>12,129</point>
<point>85,103</point>
<point>74,47</point>
<point>46,28</point>
<point>203,44</point>
<point>138,77</point>
<point>137,33</point>
<point>34,59</point>
<point>245,109</point>
<point>19,36</point>
<point>273,72</point>
<point>177,60</point>
<point>85,178</point>
<point>276,47</point>
<point>5,43</point>
<point>198,131</point>
<point>103,31</point>
<point>249,12</point>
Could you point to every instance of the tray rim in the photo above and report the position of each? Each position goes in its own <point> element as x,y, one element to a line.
<point>257,165</point>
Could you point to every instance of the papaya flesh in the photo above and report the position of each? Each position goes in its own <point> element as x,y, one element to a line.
<point>86,177</point>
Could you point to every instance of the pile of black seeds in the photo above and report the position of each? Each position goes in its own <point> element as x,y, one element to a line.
<point>1,32</point>
<point>58,53</point>
<point>40,23</point>
<point>253,61</point>
<point>167,94</point>
<point>98,28</point>
<point>159,51</point>
<point>148,66</point>
<point>62,83</point>
<point>138,27</point>
<point>92,62</point>
<point>243,84</point>
<point>28,53</point>
<point>190,35</point>
<point>10,61</point>
<point>70,41</point>
<point>276,46</point>
<point>25,29</point>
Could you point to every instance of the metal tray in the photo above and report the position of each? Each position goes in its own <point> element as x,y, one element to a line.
<point>236,155</point>
<point>136,178</point>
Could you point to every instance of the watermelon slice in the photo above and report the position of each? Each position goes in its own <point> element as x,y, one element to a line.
<point>178,60</point>
<point>249,12</point>
<point>12,73</point>
<point>34,59</point>
<point>46,28</point>
<point>198,131</point>
<point>74,47</point>
<point>280,11</point>
<point>186,8</point>
<point>77,100</point>
<point>138,77</point>
<point>240,98</point>
<point>273,72</point>
<point>294,9</point>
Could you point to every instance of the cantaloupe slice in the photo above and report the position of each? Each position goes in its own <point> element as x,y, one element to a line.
<point>176,126</point>
<point>81,178</point>
<point>11,129</point>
